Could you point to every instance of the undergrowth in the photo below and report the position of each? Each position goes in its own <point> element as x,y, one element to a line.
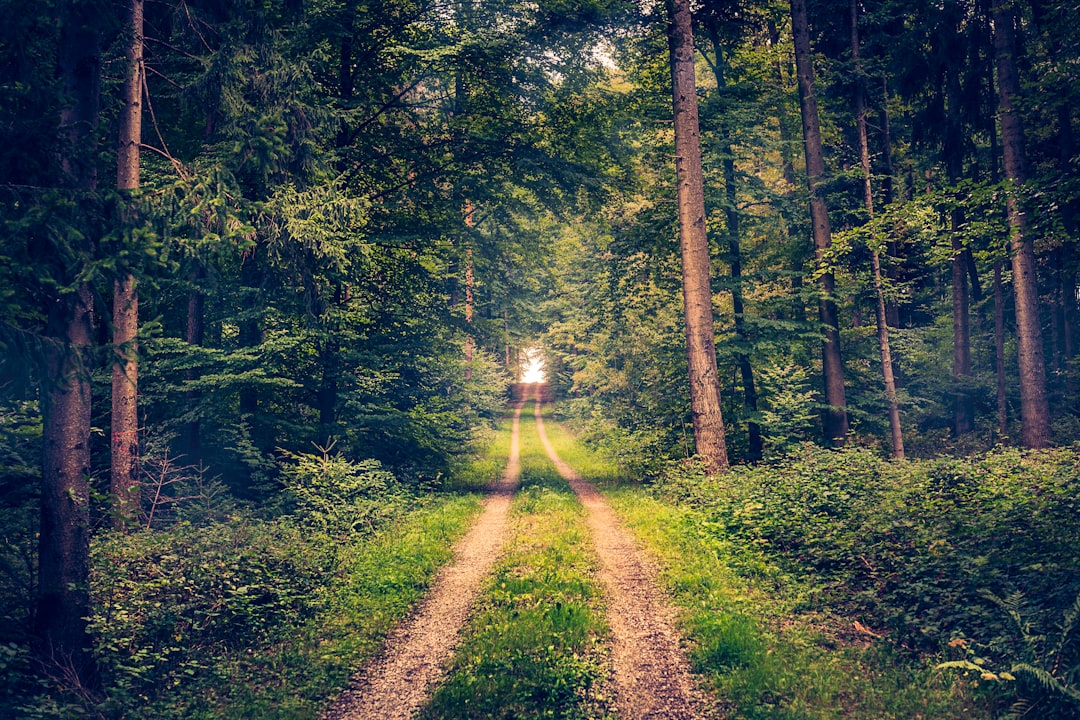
<point>259,615</point>
<point>534,646</point>
<point>763,632</point>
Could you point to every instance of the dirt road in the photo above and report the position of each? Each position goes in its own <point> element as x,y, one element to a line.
<point>399,681</point>
<point>651,673</point>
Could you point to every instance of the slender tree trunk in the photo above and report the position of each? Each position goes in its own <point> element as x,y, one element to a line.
<point>952,156</point>
<point>708,421</point>
<point>963,410</point>
<point>470,280</point>
<point>999,352</point>
<point>1034,407</point>
<point>125,367</point>
<point>835,421</point>
<point>888,193</point>
<point>731,210</point>
<point>63,593</point>
<point>194,335</point>
<point>895,431</point>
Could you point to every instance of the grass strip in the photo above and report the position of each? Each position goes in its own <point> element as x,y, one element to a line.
<point>534,648</point>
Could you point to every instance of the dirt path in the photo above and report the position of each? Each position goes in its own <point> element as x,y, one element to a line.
<point>399,681</point>
<point>652,675</point>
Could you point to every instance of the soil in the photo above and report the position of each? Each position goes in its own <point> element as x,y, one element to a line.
<point>652,676</point>
<point>650,673</point>
<point>398,682</point>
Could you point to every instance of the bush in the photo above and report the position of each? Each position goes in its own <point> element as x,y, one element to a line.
<point>341,495</point>
<point>918,549</point>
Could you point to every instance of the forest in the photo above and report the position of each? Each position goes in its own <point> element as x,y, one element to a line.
<point>803,277</point>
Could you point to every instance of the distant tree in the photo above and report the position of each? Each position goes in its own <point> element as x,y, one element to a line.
<point>1034,406</point>
<point>835,418</point>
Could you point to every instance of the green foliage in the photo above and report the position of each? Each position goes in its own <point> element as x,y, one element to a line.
<point>339,495</point>
<point>918,549</point>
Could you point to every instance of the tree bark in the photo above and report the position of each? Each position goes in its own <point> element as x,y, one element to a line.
<point>952,155</point>
<point>835,421</point>
<point>1034,406</point>
<point>999,352</point>
<point>704,379</point>
<point>895,431</point>
<point>892,310</point>
<point>63,593</point>
<point>125,367</point>
<point>470,280</point>
<point>194,334</point>
<point>755,448</point>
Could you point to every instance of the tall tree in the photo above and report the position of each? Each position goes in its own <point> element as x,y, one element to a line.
<point>1034,406</point>
<point>125,310</point>
<point>895,432</point>
<point>63,601</point>
<point>708,421</point>
<point>835,419</point>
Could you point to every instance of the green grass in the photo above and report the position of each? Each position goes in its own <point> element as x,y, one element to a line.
<point>294,665</point>
<point>534,649</point>
<point>381,578</point>
<point>763,653</point>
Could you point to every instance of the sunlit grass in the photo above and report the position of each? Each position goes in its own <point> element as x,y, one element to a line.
<point>535,646</point>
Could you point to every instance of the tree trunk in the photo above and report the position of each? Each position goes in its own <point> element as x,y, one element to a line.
<point>470,342</point>
<point>704,380</point>
<point>1034,407</point>
<point>892,311</point>
<point>952,155</point>
<point>835,421</point>
<point>125,367</point>
<point>999,352</point>
<point>895,431</point>
<point>194,334</point>
<point>63,593</point>
<point>746,371</point>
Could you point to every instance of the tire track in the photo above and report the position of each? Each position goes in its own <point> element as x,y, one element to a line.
<point>652,676</point>
<point>396,683</point>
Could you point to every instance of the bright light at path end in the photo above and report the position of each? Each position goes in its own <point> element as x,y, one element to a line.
<point>534,368</point>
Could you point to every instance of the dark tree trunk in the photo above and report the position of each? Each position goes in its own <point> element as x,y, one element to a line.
<point>963,409</point>
<point>63,598</point>
<point>746,371</point>
<point>1034,407</point>
<point>889,382</point>
<point>251,332</point>
<point>999,352</point>
<point>125,367</point>
<point>697,295</point>
<point>835,421</point>
<point>194,335</point>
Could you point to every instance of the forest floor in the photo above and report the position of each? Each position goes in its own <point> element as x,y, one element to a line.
<point>645,667</point>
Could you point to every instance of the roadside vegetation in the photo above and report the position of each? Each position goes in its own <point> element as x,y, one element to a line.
<point>838,583</point>
<point>534,648</point>
<point>266,615</point>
